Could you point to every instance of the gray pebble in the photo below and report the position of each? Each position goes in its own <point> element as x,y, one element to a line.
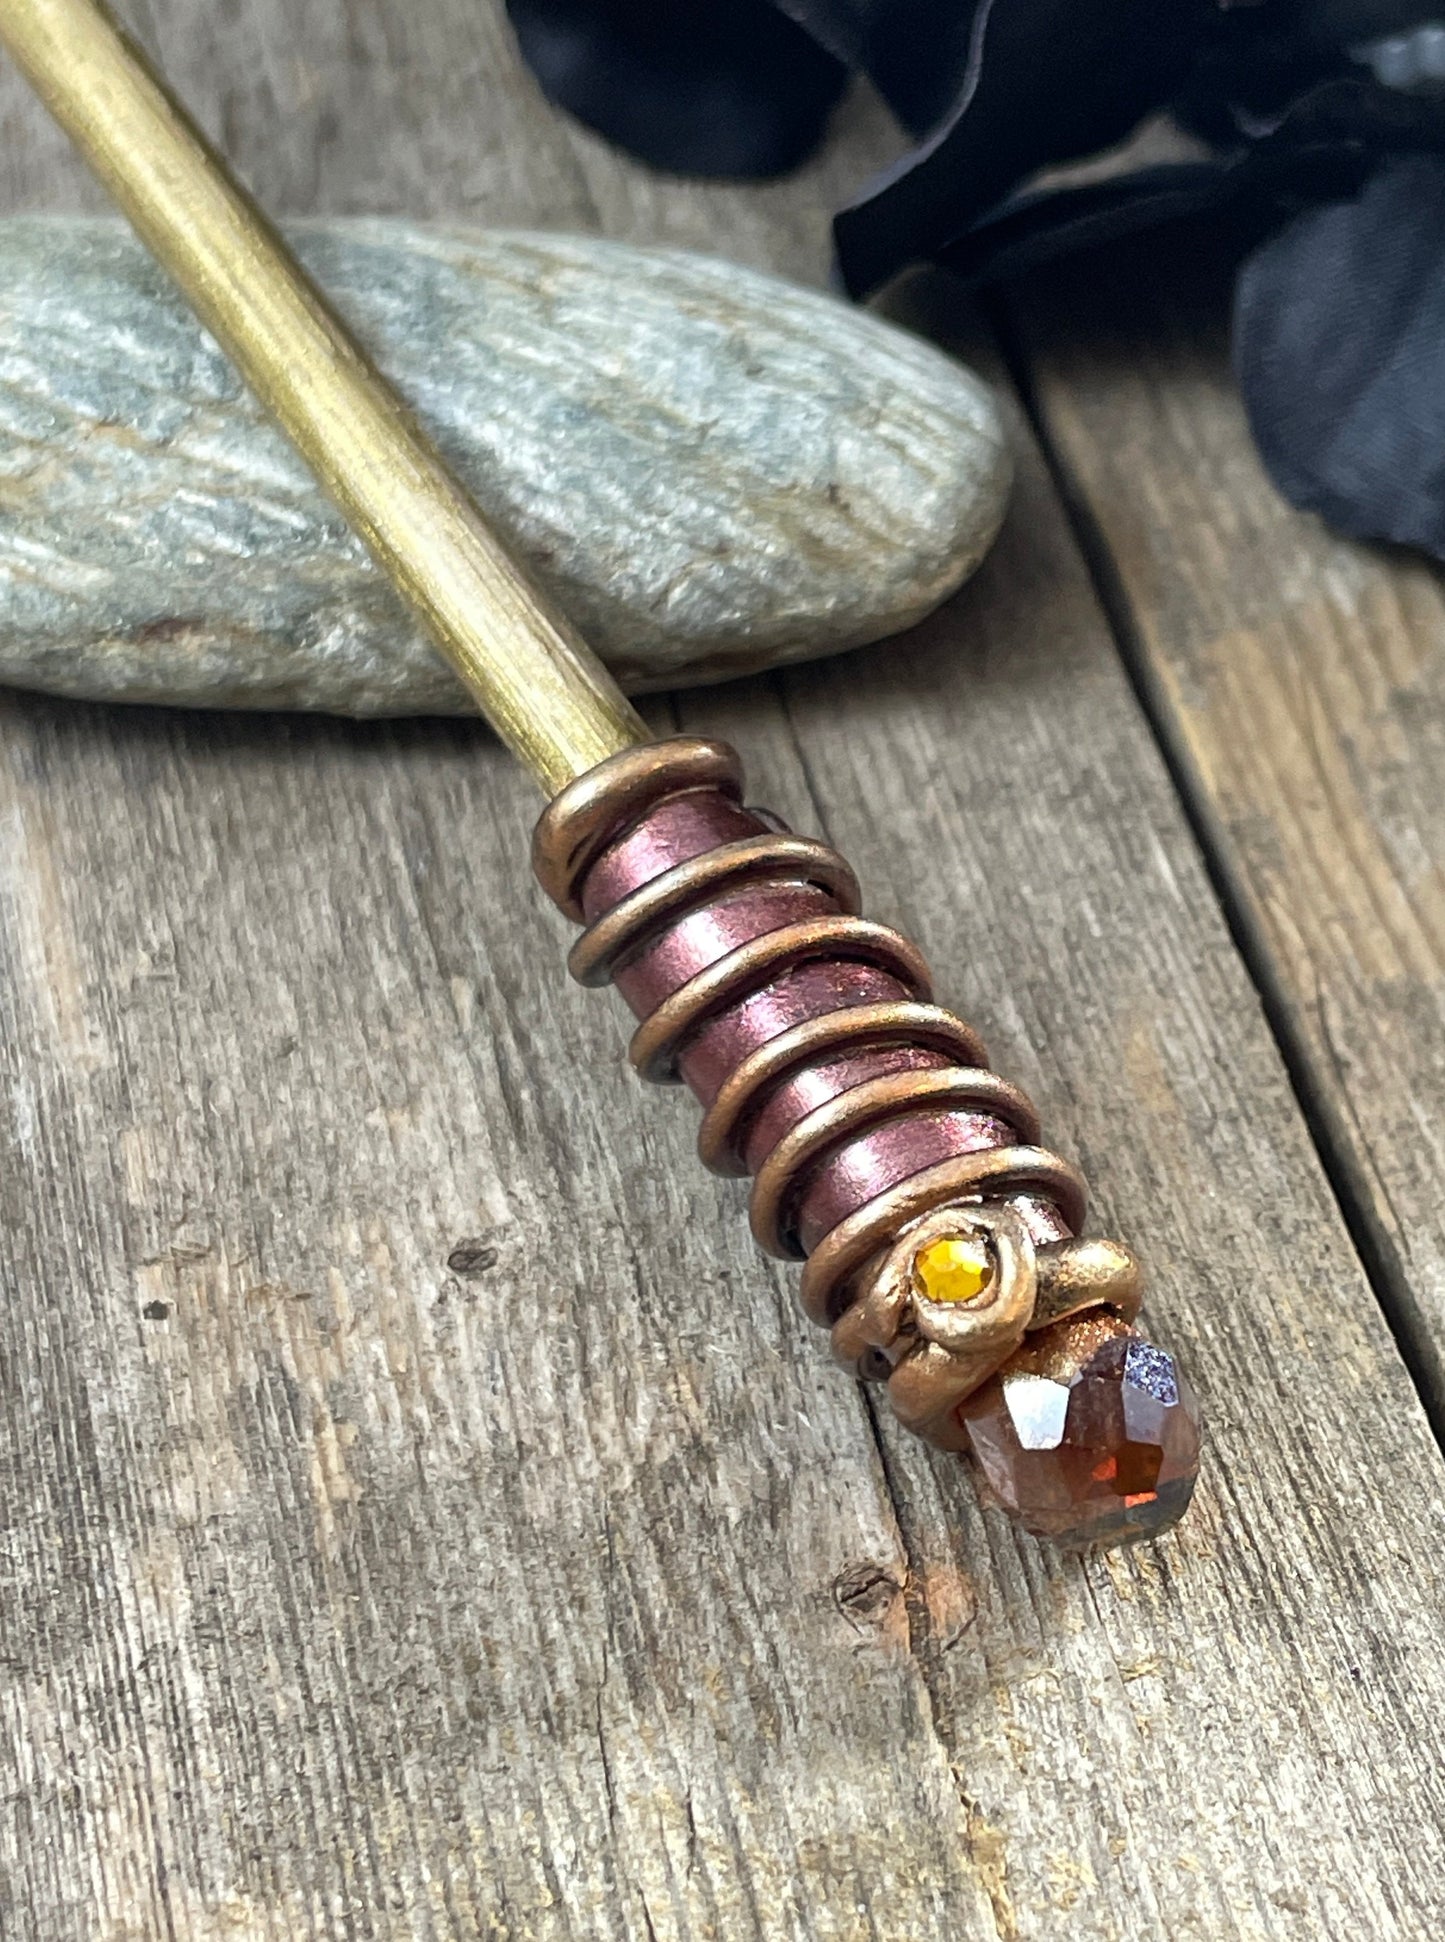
<point>713,470</point>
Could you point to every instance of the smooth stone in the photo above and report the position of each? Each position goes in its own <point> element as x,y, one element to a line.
<point>713,470</point>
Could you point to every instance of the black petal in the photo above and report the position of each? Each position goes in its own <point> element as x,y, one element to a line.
<point>1047,80</point>
<point>730,87</point>
<point>1340,346</point>
<point>1320,149</point>
<point>915,52</point>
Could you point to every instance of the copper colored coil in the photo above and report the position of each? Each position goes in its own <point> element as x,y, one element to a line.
<point>996,1173</point>
<point>949,1088</point>
<point>577,825</point>
<point>857,1028</point>
<point>704,880</point>
<point>662,1034</point>
<point>656,837</point>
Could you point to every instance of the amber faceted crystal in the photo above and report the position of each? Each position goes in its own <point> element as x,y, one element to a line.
<point>1089,1434</point>
<point>954,1268</point>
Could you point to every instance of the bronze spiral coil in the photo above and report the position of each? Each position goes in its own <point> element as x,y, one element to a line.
<point>654,851</point>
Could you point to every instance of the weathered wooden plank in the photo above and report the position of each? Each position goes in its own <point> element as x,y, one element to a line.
<point>1154,1741</point>
<point>426,1517</point>
<point>1301,682</point>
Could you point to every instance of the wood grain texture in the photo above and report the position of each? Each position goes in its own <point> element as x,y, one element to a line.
<point>425,1516</point>
<point>1300,680</point>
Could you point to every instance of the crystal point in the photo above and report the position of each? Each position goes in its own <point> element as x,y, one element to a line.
<point>1089,1434</point>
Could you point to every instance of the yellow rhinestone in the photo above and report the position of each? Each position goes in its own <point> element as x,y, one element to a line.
<point>953,1268</point>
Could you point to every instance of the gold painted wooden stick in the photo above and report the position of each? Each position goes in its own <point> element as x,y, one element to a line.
<point>534,678</point>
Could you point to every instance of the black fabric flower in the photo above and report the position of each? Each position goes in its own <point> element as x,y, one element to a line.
<point>724,87</point>
<point>1321,126</point>
<point>1347,397</point>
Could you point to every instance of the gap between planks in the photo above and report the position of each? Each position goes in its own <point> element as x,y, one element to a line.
<point>1122,368</point>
